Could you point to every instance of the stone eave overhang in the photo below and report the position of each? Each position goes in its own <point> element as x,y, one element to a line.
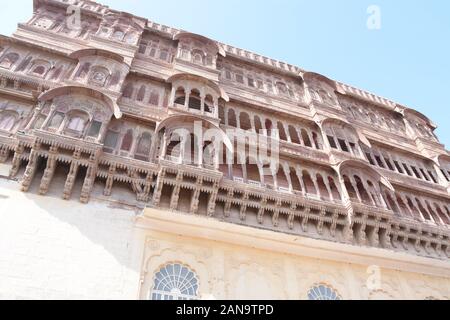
<point>17,41</point>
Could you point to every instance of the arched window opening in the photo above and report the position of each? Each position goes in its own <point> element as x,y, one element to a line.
<point>39,70</point>
<point>115,78</point>
<point>316,140</point>
<point>180,96</point>
<point>209,104</point>
<point>57,73</point>
<point>253,174</point>
<point>118,35</point>
<point>195,102</point>
<point>24,64</point>
<point>9,60</point>
<point>296,186</point>
<point>154,98</point>
<point>442,214</point>
<point>245,121</point>
<point>127,141</point>
<point>282,132</point>
<point>83,71</point>
<point>414,209</point>
<point>94,129</point>
<point>402,206</point>
<point>424,212</point>
<point>76,124</point>
<point>282,181</point>
<point>174,147</point>
<point>365,198</point>
<point>309,184</point>
<point>305,138</point>
<point>232,118</point>
<point>258,125</point>
<point>144,147</point>
<point>391,203</point>
<point>141,94</point>
<point>433,213</point>
<point>334,190</point>
<point>128,91</point>
<point>350,189</point>
<point>322,187</point>
<point>57,120</point>
<point>294,135</point>
<point>198,57</point>
<point>269,127</point>
<point>175,282</point>
<point>282,88</point>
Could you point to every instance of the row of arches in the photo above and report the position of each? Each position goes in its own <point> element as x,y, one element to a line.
<point>157,49</point>
<point>364,190</point>
<point>196,100</point>
<point>389,122</point>
<point>287,177</point>
<point>305,136</point>
<point>418,208</point>
<point>395,163</point>
<point>142,93</point>
<point>75,123</point>
<point>35,66</point>
<point>128,140</point>
<point>265,83</point>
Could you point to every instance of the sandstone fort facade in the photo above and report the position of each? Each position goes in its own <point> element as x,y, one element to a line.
<point>102,197</point>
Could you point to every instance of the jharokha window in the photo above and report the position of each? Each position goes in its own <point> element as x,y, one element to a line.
<point>175,282</point>
<point>9,60</point>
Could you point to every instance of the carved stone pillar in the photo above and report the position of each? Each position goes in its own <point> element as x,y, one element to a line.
<point>18,152</point>
<point>212,200</point>
<point>243,210</point>
<point>276,215</point>
<point>70,180</point>
<point>176,192</point>
<point>145,196</point>
<point>159,187</point>
<point>196,196</point>
<point>49,171</point>
<point>227,208</point>
<point>89,180</point>
<point>109,181</point>
<point>31,168</point>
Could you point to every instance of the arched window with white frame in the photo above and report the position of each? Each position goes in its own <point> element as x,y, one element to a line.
<point>175,282</point>
<point>323,292</point>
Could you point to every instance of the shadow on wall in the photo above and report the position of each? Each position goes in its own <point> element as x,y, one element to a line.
<point>67,249</point>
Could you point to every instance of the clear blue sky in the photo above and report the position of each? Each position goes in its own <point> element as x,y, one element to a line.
<point>408,60</point>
